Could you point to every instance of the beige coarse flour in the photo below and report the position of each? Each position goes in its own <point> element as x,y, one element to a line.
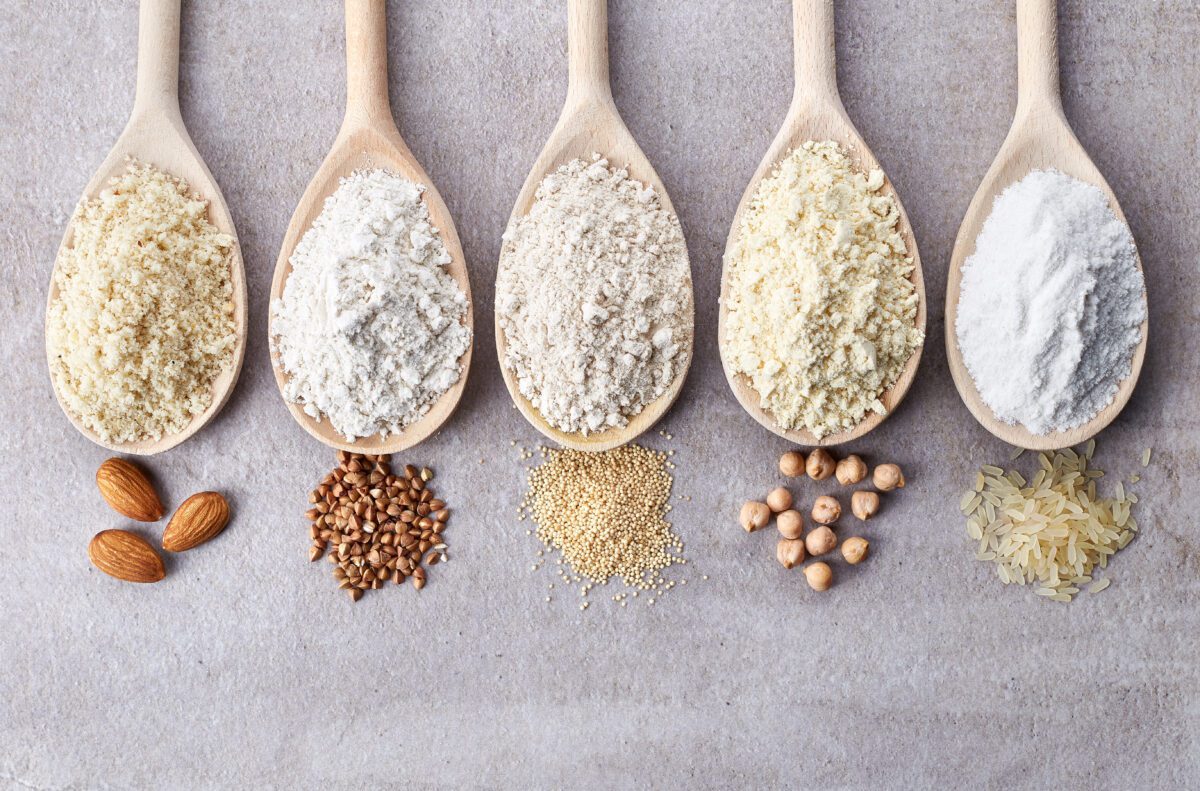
<point>821,311</point>
<point>594,298</point>
<point>369,329</point>
<point>144,320</point>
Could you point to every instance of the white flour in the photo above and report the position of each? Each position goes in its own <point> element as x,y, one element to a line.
<point>370,326</point>
<point>1051,304</point>
<point>594,298</point>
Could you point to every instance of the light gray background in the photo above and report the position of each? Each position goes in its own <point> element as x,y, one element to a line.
<point>245,667</point>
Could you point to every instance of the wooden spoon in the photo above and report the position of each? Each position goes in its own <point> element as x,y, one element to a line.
<point>590,123</point>
<point>1040,139</point>
<point>817,114</point>
<point>156,135</point>
<point>369,139</point>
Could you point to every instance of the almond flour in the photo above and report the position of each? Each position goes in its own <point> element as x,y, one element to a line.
<point>143,323</point>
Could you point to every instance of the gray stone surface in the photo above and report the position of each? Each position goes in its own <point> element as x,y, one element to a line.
<point>246,669</point>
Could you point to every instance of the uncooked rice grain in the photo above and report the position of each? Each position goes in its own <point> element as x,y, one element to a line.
<point>1053,532</point>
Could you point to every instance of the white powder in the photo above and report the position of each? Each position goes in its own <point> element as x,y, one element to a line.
<point>370,326</point>
<point>1051,304</point>
<point>594,298</point>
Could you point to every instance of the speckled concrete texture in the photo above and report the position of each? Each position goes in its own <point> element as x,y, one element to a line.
<point>246,669</point>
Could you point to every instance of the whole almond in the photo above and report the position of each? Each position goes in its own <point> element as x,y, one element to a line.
<point>199,518</point>
<point>126,556</point>
<point>126,488</point>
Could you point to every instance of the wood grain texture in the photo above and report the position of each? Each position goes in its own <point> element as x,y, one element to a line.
<point>1040,138</point>
<point>590,123</point>
<point>156,135</point>
<point>369,139</point>
<point>817,113</point>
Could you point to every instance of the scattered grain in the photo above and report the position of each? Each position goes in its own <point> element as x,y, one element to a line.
<point>1054,531</point>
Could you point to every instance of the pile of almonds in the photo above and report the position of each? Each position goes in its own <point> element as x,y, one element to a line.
<point>794,545</point>
<point>126,555</point>
<point>377,526</point>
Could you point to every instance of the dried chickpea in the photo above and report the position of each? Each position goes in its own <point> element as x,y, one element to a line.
<point>820,541</point>
<point>789,552</point>
<point>790,524</point>
<point>780,499</point>
<point>819,576</point>
<point>864,505</point>
<point>754,516</point>
<point>888,477</point>
<point>851,470</point>
<point>820,465</point>
<point>854,549</point>
<point>791,464</point>
<point>826,510</point>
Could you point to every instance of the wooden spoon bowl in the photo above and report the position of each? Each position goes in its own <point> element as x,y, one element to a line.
<point>156,135</point>
<point>369,139</point>
<point>817,114</point>
<point>1040,139</point>
<point>590,123</point>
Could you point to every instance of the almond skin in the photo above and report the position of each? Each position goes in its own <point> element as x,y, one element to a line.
<point>127,489</point>
<point>198,519</point>
<point>126,556</point>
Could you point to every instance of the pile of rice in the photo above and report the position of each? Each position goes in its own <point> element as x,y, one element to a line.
<point>1052,531</point>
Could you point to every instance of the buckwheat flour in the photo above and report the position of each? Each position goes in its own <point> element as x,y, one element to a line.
<point>821,311</point>
<point>594,298</point>
<point>369,329</point>
<point>1051,304</point>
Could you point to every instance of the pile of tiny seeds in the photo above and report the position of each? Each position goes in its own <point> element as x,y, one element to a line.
<point>378,526</point>
<point>607,514</point>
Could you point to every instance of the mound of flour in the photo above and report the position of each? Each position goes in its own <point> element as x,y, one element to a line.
<point>1051,304</point>
<point>594,298</point>
<point>369,328</point>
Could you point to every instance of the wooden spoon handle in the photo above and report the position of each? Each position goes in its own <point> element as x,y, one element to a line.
<point>158,57</point>
<point>367,100</point>
<point>587,45</point>
<point>1037,56</point>
<point>815,54</point>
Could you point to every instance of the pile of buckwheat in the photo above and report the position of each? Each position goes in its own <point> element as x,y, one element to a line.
<point>377,526</point>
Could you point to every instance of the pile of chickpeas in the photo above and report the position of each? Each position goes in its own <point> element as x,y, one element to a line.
<point>794,544</point>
